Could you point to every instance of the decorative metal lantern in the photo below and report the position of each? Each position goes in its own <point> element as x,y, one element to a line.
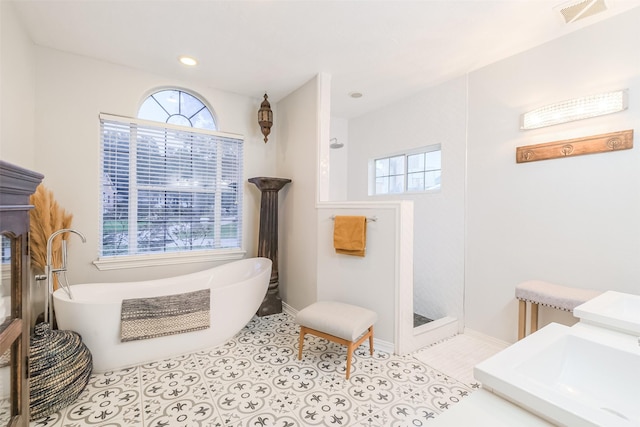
<point>265,118</point>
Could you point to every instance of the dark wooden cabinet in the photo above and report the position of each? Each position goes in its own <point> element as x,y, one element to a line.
<point>16,185</point>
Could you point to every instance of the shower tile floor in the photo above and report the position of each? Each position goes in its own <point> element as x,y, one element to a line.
<point>255,379</point>
<point>419,320</point>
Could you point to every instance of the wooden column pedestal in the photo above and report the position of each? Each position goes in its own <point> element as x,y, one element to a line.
<point>268,238</point>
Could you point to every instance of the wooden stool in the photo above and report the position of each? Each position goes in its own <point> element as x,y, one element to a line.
<point>548,294</point>
<point>342,323</point>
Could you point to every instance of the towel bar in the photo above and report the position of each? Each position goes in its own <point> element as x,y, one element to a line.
<point>369,219</point>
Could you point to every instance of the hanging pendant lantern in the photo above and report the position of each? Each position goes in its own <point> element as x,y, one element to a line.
<point>265,118</point>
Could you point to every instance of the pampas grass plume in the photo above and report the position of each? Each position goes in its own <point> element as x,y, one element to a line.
<point>46,218</point>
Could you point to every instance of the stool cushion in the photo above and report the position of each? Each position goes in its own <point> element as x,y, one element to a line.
<point>342,320</point>
<point>552,295</point>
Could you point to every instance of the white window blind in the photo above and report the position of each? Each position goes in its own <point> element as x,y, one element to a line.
<point>168,188</point>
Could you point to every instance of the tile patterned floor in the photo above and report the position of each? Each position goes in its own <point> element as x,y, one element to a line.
<point>458,355</point>
<point>255,379</point>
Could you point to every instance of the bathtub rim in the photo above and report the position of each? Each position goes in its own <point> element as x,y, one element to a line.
<point>61,294</point>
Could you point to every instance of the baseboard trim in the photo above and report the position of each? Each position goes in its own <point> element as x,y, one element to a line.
<point>485,337</point>
<point>384,346</point>
<point>286,308</point>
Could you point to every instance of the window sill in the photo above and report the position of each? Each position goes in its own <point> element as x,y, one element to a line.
<point>137,261</point>
<point>409,193</point>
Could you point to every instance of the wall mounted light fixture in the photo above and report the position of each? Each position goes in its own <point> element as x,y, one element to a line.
<point>575,109</point>
<point>265,118</point>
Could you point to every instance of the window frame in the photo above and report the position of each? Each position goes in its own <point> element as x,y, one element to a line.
<point>372,179</point>
<point>152,96</point>
<point>110,262</point>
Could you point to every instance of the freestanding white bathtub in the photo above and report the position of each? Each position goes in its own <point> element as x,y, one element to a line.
<point>237,290</point>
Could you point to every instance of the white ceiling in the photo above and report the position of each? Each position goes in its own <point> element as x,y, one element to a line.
<point>387,50</point>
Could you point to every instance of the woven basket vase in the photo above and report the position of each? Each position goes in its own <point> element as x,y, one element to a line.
<point>60,367</point>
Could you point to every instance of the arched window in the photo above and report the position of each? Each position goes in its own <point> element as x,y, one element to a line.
<point>171,183</point>
<point>177,107</point>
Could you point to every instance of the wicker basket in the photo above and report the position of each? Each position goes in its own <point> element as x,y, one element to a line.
<point>60,367</point>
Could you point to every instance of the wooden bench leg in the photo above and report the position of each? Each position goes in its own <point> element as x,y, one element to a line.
<point>350,347</point>
<point>534,317</point>
<point>522,318</point>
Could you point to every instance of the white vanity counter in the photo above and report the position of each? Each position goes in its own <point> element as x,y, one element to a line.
<point>584,375</point>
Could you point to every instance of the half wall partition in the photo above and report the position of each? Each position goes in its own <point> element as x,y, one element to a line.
<point>381,281</point>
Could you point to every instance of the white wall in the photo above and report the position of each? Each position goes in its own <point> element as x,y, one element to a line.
<point>297,128</point>
<point>71,91</point>
<point>339,176</point>
<point>17,90</point>
<point>571,221</point>
<point>435,116</point>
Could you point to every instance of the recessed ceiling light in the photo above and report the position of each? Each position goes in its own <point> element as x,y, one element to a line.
<point>355,94</point>
<point>187,60</point>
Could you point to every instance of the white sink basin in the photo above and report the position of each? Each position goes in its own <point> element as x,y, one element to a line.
<point>574,376</point>
<point>613,310</point>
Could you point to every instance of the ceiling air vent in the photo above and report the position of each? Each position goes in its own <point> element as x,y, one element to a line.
<point>575,10</point>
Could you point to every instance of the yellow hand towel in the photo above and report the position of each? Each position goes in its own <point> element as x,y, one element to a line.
<point>350,235</point>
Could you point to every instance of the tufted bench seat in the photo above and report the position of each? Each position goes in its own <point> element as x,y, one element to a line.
<point>548,294</point>
<point>342,323</point>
